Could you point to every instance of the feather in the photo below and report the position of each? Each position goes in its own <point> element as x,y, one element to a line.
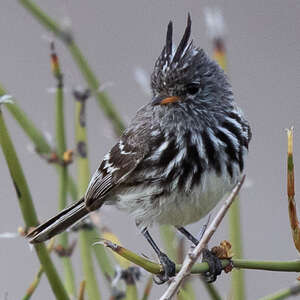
<point>117,165</point>
<point>169,41</point>
<point>184,41</point>
<point>58,223</point>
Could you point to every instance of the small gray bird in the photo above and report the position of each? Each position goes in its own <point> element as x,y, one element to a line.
<point>180,155</point>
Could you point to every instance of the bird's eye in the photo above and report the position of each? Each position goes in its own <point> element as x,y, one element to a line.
<point>192,88</point>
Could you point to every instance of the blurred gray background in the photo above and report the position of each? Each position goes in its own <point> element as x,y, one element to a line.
<point>263,44</point>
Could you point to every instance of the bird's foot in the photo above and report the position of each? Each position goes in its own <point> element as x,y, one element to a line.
<point>215,266</point>
<point>168,269</point>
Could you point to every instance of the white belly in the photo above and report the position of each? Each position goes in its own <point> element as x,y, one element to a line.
<point>178,208</point>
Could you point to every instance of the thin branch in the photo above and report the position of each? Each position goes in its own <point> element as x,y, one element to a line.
<point>107,234</point>
<point>104,261</point>
<point>145,263</point>
<point>192,257</point>
<point>235,237</point>
<point>41,145</point>
<point>83,176</point>
<point>211,290</point>
<point>62,169</point>
<point>28,209</point>
<point>38,276</point>
<point>170,241</point>
<point>294,221</point>
<point>81,290</point>
<point>155,268</point>
<point>91,79</point>
<point>284,293</point>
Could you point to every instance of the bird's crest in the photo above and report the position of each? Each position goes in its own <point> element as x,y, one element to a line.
<point>172,59</point>
<point>168,54</point>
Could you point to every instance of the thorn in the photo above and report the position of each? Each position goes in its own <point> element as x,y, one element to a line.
<point>108,244</point>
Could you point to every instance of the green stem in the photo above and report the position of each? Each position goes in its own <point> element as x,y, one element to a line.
<point>88,268</point>
<point>42,17</point>
<point>63,241</point>
<point>235,237</point>
<point>91,79</point>
<point>34,285</point>
<point>43,147</point>
<point>131,292</point>
<point>281,266</point>
<point>168,236</point>
<point>102,258</point>
<point>38,276</point>
<point>155,268</point>
<point>27,208</point>
<point>63,182</point>
<point>187,291</point>
<point>283,294</point>
<point>36,136</point>
<point>102,97</point>
<point>212,291</point>
<point>83,174</point>
<point>60,125</point>
<point>183,294</point>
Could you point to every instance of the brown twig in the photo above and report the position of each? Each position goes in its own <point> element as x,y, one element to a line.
<point>192,256</point>
<point>81,290</point>
<point>294,222</point>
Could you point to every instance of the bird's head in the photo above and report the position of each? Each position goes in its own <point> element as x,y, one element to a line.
<point>187,75</point>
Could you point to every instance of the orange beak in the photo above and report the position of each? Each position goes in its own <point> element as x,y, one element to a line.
<point>162,100</point>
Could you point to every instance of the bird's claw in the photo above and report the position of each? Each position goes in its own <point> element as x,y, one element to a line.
<point>215,266</point>
<point>168,269</point>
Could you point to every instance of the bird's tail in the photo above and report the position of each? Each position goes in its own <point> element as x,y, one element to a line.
<point>58,223</point>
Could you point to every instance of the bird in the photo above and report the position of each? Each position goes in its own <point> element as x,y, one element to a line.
<point>180,155</point>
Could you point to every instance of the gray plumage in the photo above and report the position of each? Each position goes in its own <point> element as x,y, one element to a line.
<point>178,157</point>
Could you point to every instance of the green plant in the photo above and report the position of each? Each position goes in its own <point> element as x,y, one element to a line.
<point>60,158</point>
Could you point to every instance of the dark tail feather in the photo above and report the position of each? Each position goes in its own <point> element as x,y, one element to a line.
<point>58,223</point>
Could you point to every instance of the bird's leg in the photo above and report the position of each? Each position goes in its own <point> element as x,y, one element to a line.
<point>215,265</point>
<point>168,265</point>
<point>188,235</point>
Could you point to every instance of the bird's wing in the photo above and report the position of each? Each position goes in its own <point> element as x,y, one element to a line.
<point>116,166</point>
